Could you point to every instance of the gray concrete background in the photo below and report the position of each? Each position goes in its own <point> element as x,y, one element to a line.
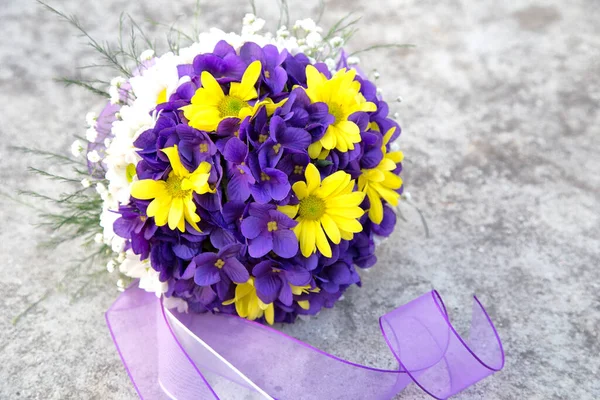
<point>501,135</point>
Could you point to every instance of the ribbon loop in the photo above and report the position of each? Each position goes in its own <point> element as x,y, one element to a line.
<point>205,356</point>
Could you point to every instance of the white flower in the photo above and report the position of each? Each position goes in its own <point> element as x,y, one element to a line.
<point>313,39</point>
<point>91,134</point>
<point>101,188</point>
<point>93,156</point>
<point>110,266</point>
<point>120,285</point>
<point>86,183</point>
<point>147,55</point>
<point>282,32</point>
<point>251,24</point>
<point>115,89</point>
<point>133,267</point>
<point>336,42</point>
<point>98,238</point>
<point>91,118</point>
<point>353,60</point>
<point>77,148</point>
<point>118,243</point>
<point>175,302</point>
<point>307,25</point>
<point>331,64</point>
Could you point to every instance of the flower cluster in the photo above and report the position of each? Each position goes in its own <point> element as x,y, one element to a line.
<point>246,177</point>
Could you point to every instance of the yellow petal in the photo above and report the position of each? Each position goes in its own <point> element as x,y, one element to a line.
<point>270,314</point>
<point>314,150</point>
<point>300,189</point>
<point>329,140</point>
<point>376,209</point>
<point>176,215</point>
<point>147,189</point>
<point>395,156</point>
<point>304,304</point>
<point>212,89</point>
<point>331,183</point>
<point>245,89</point>
<point>189,213</point>
<point>175,161</point>
<point>388,135</point>
<point>350,200</point>
<point>321,240</point>
<point>289,210</point>
<point>307,238</point>
<point>313,178</point>
<point>161,215</point>
<point>368,107</point>
<point>347,224</point>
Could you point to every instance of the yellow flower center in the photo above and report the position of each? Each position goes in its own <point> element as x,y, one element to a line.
<point>262,138</point>
<point>276,148</point>
<point>174,187</point>
<point>203,147</point>
<point>272,226</point>
<point>267,74</point>
<point>298,169</point>
<point>230,106</point>
<point>311,207</point>
<point>264,177</point>
<point>336,111</point>
<point>219,263</point>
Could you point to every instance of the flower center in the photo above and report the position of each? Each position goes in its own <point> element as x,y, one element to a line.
<point>219,263</point>
<point>264,177</point>
<point>336,111</point>
<point>276,148</point>
<point>311,207</point>
<point>262,138</point>
<point>230,106</point>
<point>272,226</point>
<point>298,169</point>
<point>267,74</point>
<point>203,147</point>
<point>174,187</point>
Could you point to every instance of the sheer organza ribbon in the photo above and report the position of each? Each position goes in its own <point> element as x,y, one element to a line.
<point>205,356</point>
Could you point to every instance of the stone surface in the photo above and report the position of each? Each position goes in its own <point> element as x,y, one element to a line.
<point>500,116</point>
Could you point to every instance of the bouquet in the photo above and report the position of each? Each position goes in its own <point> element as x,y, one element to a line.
<point>248,177</point>
<point>246,174</point>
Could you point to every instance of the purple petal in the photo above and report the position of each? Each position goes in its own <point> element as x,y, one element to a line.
<point>236,271</point>
<point>285,295</point>
<point>298,276</point>
<point>237,188</point>
<point>205,259</point>
<point>261,245</point>
<point>252,227</point>
<point>285,243</point>
<point>235,151</point>
<point>267,287</point>
<point>206,275</point>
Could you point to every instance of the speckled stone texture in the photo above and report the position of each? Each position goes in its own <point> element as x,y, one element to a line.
<point>501,134</point>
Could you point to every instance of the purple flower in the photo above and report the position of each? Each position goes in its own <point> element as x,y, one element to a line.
<point>223,63</point>
<point>273,281</point>
<point>269,230</point>
<point>274,76</point>
<point>271,183</point>
<point>211,268</point>
<point>240,176</point>
<point>135,226</point>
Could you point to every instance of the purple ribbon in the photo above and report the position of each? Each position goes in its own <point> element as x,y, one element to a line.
<point>206,356</point>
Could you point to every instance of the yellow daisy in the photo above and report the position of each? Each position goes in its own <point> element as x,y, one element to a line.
<point>327,209</point>
<point>342,95</point>
<point>173,199</point>
<point>380,182</point>
<point>210,105</point>
<point>248,305</point>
